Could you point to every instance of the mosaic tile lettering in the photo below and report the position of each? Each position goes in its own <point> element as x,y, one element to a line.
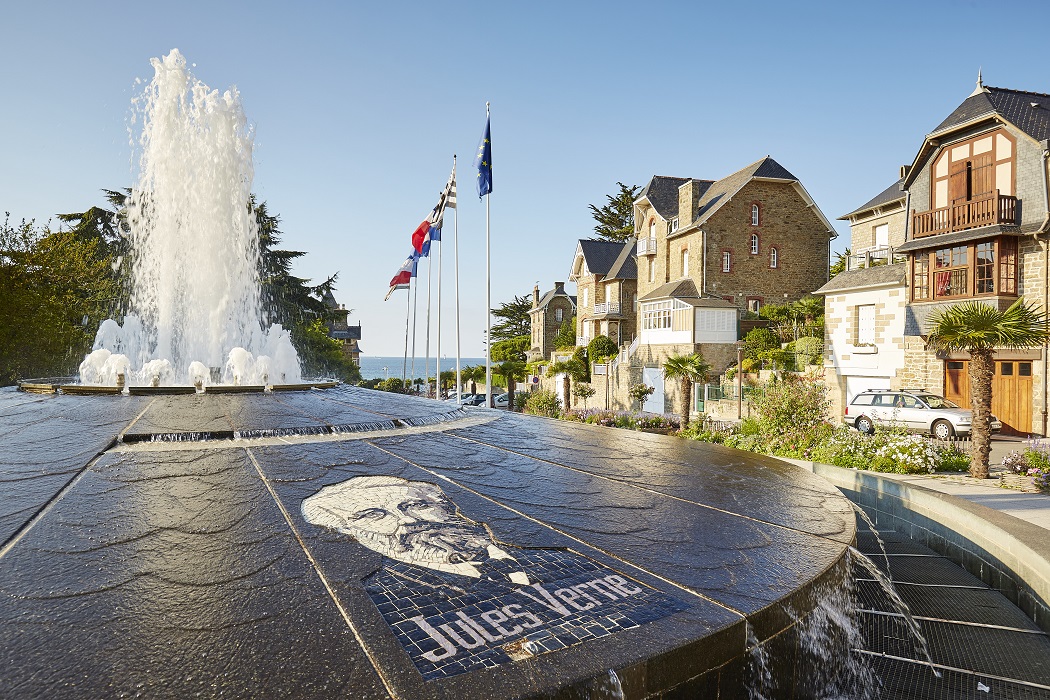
<point>458,601</point>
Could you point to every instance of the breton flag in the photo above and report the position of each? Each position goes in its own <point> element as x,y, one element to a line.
<point>430,229</point>
<point>404,275</point>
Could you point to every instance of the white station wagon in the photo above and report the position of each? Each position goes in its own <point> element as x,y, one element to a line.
<point>914,409</point>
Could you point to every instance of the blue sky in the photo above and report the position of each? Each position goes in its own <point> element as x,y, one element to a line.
<point>359,108</point>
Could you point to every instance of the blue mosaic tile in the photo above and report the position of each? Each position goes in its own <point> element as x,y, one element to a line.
<point>451,624</point>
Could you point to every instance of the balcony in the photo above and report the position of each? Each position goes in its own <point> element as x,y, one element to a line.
<point>870,257</point>
<point>646,246</point>
<point>607,309</point>
<point>983,210</point>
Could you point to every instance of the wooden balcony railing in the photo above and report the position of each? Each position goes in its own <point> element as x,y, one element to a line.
<point>983,210</point>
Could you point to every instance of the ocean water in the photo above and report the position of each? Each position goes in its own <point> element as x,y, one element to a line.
<point>372,367</point>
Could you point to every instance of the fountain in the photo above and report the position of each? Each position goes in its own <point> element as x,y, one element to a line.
<point>195,315</point>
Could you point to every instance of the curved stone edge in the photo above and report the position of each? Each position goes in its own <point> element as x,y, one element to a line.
<point>1009,554</point>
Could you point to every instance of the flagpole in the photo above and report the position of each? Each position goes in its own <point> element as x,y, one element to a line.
<point>488,298</point>
<point>455,235</point>
<point>437,351</point>
<point>408,312</point>
<point>426,362</point>
<point>415,310</point>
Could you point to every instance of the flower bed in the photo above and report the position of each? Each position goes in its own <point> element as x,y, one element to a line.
<point>1033,463</point>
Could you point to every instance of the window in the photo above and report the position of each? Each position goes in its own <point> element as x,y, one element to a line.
<point>1024,369</point>
<point>656,315</point>
<point>865,325</point>
<point>754,215</point>
<point>685,262</point>
<point>920,275</point>
<point>754,304</point>
<point>1008,266</point>
<point>674,224</point>
<point>774,257</point>
<point>754,244</point>
<point>652,229</point>
<point>1006,369</point>
<point>984,268</point>
<point>951,278</point>
<point>652,269</point>
<point>559,314</point>
<point>727,261</point>
<point>586,297</point>
<point>882,236</point>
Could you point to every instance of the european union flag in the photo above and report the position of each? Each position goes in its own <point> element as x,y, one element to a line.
<point>483,162</point>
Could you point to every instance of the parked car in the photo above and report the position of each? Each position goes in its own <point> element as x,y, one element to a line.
<point>502,401</point>
<point>913,409</point>
<point>468,400</point>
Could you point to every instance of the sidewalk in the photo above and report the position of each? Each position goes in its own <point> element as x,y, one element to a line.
<point>1032,507</point>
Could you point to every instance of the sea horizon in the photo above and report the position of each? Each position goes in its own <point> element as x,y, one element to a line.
<point>372,367</point>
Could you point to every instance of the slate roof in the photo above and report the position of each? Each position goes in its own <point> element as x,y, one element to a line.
<point>678,289</point>
<point>626,265</point>
<point>890,194</point>
<point>1013,105</point>
<point>662,192</point>
<point>351,333</point>
<point>946,239</point>
<point>877,276</point>
<point>600,256</point>
<point>549,297</point>
<point>721,189</point>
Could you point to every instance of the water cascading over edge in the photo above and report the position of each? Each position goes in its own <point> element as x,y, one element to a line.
<point>195,311</point>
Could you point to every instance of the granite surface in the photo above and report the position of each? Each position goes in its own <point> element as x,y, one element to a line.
<point>149,548</point>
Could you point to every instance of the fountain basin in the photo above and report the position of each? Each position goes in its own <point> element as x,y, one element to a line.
<point>179,563</point>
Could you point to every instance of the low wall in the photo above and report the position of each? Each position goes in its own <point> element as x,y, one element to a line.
<point>1009,554</point>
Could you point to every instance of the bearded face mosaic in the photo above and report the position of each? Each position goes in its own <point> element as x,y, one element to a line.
<point>456,600</point>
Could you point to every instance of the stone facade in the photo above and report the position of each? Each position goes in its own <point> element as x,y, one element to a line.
<point>547,315</point>
<point>606,291</point>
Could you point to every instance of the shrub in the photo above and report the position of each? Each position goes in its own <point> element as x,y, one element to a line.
<point>748,365</point>
<point>543,403</point>
<point>952,459</point>
<point>792,403</point>
<point>640,392</point>
<point>759,340</point>
<point>520,397</point>
<point>601,348</point>
<point>809,351</point>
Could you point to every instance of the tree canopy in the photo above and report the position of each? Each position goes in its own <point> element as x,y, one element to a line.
<point>514,319</point>
<point>615,220</point>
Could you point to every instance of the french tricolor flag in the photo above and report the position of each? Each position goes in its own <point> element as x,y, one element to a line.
<point>404,275</point>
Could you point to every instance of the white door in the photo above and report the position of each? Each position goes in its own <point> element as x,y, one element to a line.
<point>855,385</point>
<point>654,377</point>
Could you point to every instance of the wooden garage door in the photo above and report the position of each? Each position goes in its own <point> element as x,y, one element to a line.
<point>1011,392</point>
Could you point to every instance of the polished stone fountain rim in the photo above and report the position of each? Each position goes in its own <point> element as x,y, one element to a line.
<point>68,386</point>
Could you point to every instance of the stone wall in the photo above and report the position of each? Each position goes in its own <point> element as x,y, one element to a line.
<point>862,232</point>
<point>785,222</point>
<point>548,325</point>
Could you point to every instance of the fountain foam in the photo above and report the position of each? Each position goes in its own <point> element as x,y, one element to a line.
<point>195,296</point>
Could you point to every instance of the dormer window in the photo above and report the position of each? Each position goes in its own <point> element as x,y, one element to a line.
<point>754,244</point>
<point>754,215</point>
<point>674,224</point>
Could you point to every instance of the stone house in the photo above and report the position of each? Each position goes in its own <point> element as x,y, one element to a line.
<point>977,223</point>
<point>710,249</point>
<point>547,315</point>
<point>606,278</point>
<point>339,328</point>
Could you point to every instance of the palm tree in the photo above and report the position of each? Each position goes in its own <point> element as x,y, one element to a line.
<point>512,371</point>
<point>575,368</point>
<point>686,369</point>
<point>979,328</point>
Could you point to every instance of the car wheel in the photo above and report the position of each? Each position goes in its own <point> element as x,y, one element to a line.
<point>943,430</point>
<point>865,426</point>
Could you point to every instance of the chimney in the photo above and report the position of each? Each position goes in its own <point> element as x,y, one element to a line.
<point>905,169</point>
<point>688,200</point>
<point>536,295</point>
<point>559,287</point>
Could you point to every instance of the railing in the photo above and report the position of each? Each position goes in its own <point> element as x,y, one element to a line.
<point>984,210</point>
<point>607,307</point>
<point>646,246</point>
<point>882,255</point>
<point>582,340</point>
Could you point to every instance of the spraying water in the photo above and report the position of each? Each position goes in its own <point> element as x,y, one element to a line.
<point>195,296</point>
